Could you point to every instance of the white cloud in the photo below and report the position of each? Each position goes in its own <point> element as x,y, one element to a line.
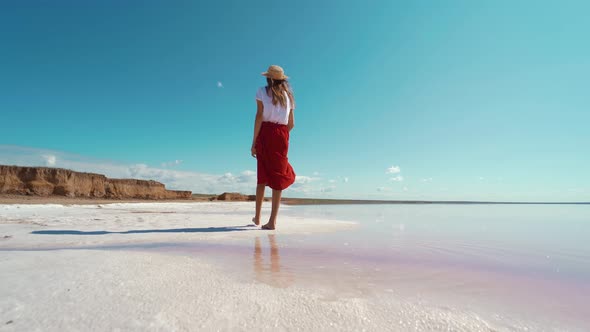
<point>302,179</point>
<point>227,178</point>
<point>172,163</point>
<point>219,84</point>
<point>383,189</point>
<point>343,179</point>
<point>247,177</point>
<point>405,188</point>
<point>50,160</point>
<point>398,178</point>
<point>426,180</point>
<point>316,173</point>
<point>310,185</point>
<point>393,170</point>
<point>327,189</point>
<point>481,178</point>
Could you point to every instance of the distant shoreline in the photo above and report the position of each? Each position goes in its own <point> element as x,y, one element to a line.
<point>22,199</point>
<point>313,201</point>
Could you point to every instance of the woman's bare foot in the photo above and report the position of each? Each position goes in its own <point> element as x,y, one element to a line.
<point>256,221</point>
<point>268,227</point>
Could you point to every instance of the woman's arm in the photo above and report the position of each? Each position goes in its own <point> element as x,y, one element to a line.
<point>257,124</point>
<point>291,123</point>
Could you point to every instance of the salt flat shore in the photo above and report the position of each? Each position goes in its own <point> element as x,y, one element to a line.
<point>120,223</point>
<point>45,285</point>
<point>66,268</point>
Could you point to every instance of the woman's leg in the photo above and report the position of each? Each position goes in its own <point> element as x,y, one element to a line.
<point>276,202</point>
<point>259,199</point>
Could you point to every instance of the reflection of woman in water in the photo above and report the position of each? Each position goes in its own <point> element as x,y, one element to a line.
<point>270,145</point>
<point>273,275</point>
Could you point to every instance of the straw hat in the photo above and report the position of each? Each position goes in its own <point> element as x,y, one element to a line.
<point>276,73</point>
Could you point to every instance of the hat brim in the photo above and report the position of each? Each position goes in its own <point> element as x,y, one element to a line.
<point>283,78</point>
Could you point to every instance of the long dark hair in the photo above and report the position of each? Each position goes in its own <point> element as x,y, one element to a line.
<point>277,89</point>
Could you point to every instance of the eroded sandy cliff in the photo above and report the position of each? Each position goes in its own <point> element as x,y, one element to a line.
<point>45,181</point>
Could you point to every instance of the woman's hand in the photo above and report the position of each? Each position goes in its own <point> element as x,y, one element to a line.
<point>253,151</point>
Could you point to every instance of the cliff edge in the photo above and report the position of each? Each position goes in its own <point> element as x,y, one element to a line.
<point>46,181</point>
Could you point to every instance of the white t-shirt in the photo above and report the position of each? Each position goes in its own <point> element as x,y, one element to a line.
<point>273,113</point>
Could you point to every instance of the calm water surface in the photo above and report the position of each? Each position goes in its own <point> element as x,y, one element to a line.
<point>525,261</point>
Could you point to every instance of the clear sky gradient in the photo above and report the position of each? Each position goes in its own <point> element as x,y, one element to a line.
<point>477,100</point>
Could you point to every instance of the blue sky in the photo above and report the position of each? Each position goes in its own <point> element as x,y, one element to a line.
<point>482,100</point>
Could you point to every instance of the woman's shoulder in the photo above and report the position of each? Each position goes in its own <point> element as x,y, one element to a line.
<point>260,92</point>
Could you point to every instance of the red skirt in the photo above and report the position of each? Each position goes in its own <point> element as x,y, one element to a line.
<point>272,146</point>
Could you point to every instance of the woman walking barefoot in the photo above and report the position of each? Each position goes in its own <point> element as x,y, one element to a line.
<point>270,145</point>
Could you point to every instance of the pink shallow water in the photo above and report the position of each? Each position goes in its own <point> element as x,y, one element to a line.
<point>525,262</point>
<point>430,277</point>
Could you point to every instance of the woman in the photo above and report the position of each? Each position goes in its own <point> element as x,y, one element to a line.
<point>274,121</point>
